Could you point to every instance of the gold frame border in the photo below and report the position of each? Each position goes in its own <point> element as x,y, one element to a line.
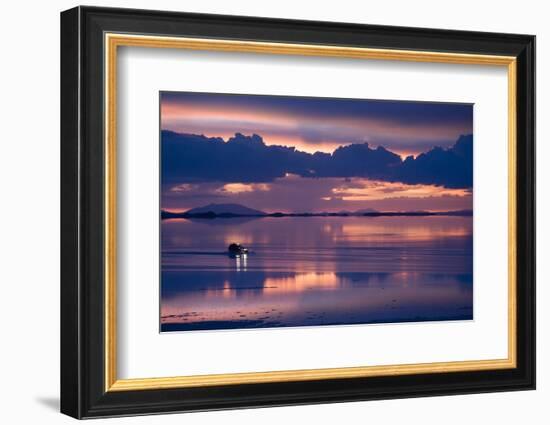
<point>113,41</point>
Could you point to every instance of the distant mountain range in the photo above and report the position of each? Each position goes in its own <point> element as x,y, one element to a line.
<point>235,210</point>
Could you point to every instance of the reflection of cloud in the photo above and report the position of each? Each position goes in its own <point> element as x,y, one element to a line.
<point>422,229</point>
<point>301,282</point>
<point>302,299</point>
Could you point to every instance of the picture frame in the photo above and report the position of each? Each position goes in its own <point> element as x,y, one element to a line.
<point>90,40</point>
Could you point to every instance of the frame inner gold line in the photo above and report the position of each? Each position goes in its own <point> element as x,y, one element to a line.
<point>113,41</point>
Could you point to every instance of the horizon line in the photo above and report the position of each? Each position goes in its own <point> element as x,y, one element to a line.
<point>361,211</point>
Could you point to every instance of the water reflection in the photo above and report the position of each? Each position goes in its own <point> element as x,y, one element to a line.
<point>241,262</point>
<point>316,271</point>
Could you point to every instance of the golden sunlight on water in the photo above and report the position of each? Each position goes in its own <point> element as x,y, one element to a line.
<point>304,298</point>
<point>425,230</point>
<point>291,284</point>
<point>301,282</point>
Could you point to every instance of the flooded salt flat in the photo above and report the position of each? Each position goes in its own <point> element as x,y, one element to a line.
<point>307,271</point>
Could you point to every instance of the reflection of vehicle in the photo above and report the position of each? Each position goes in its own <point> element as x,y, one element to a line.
<point>237,249</point>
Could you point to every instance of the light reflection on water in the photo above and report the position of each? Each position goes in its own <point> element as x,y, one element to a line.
<point>315,271</point>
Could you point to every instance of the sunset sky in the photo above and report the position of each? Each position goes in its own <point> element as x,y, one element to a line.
<point>231,165</point>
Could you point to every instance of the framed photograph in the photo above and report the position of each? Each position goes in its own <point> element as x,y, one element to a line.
<point>261,212</point>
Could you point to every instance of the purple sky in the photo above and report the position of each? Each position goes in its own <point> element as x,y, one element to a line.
<point>310,125</point>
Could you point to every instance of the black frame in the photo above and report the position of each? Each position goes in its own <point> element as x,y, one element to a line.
<point>82,218</point>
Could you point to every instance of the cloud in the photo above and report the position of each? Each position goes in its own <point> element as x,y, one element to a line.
<point>451,167</point>
<point>318,123</point>
<point>369,190</point>
<point>243,187</point>
<point>189,158</point>
<point>304,194</point>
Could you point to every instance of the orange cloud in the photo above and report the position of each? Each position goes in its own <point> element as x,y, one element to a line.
<point>244,187</point>
<point>373,190</point>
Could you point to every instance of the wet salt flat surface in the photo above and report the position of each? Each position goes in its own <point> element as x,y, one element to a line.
<point>304,271</point>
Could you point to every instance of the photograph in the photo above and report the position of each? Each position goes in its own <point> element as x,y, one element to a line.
<point>288,211</point>
<point>284,210</point>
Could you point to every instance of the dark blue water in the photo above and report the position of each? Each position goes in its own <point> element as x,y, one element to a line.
<point>304,271</point>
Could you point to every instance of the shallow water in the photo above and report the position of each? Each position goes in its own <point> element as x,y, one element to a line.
<point>304,271</point>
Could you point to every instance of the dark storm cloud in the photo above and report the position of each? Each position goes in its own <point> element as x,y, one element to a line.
<point>314,123</point>
<point>247,159</point>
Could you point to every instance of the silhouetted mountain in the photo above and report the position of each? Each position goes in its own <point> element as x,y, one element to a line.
<point>465,213</point>
<point>220,209</point>
<point>366,210</point>
<point>235,210</point>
